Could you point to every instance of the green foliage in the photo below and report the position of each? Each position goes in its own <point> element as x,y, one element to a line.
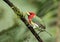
<point>12,29</point>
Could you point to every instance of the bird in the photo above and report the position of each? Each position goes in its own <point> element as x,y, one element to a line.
<point>35,25</point>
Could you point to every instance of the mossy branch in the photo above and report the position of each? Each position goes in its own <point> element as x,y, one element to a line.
<point>18,12</point>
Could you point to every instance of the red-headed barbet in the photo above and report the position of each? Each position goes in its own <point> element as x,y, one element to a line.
<point>32,15</point>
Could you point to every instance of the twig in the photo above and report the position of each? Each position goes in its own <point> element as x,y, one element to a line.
<point>18,12</point>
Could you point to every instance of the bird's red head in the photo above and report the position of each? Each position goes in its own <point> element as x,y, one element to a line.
<point>31,16</point>
<point>32,13</point>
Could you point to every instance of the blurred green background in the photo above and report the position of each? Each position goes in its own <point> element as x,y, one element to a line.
<point>12,29</point>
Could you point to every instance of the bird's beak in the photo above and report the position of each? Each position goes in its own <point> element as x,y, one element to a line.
<point>27,13</point>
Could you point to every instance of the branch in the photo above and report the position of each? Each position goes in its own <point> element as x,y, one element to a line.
<point>18,12</point>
